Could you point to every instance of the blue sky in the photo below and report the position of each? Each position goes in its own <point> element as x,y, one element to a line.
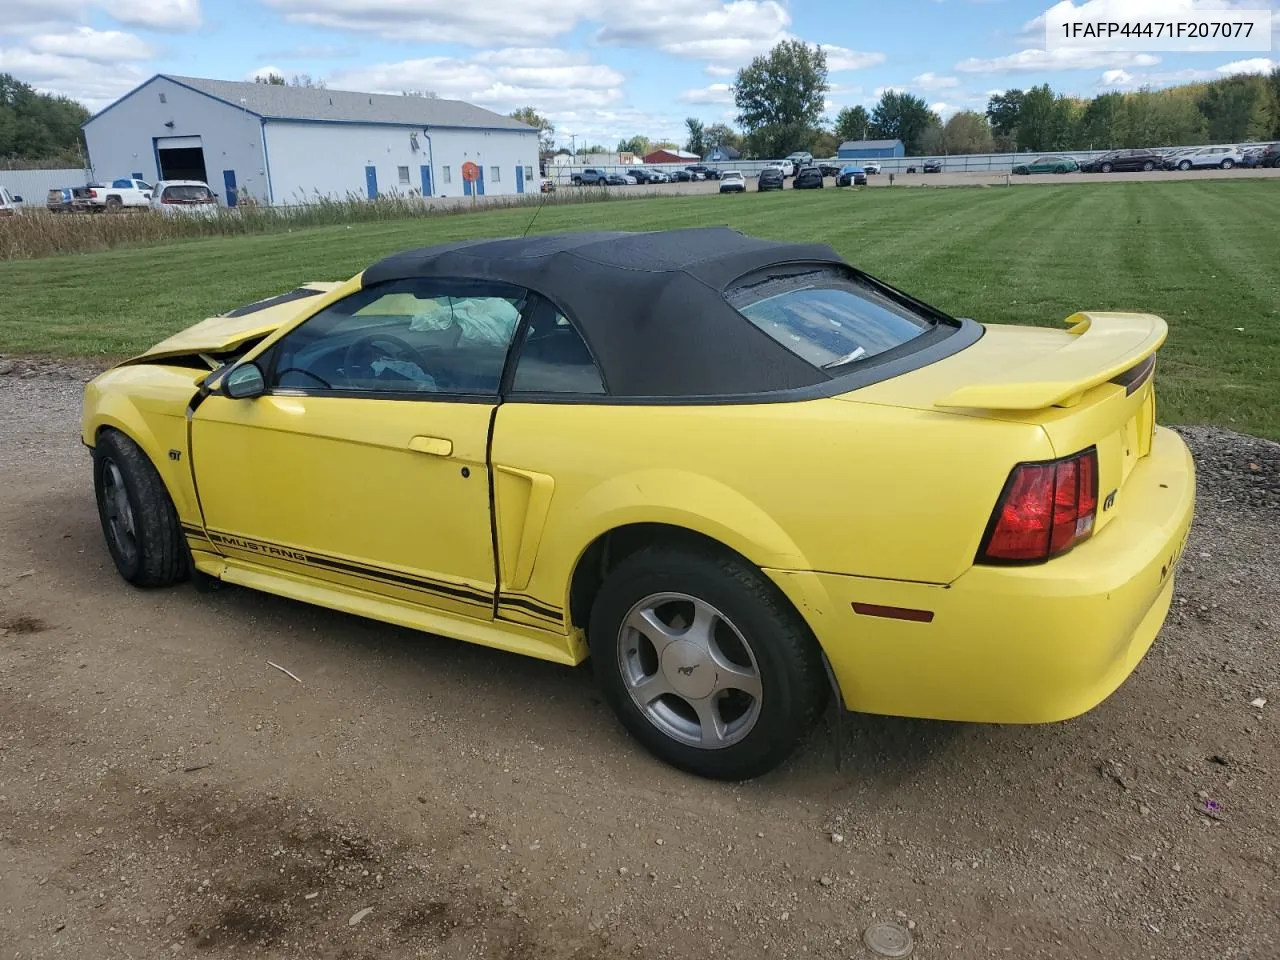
<point>600,71</point>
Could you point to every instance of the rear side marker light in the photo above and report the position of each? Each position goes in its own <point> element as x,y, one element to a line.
<point>895,613</point>
<point>1044,510</point>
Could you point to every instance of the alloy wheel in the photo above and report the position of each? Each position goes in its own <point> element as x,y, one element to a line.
<point>689,670</point>
<point>115,501</point>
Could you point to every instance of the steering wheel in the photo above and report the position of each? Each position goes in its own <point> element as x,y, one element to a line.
<point>400,350</point>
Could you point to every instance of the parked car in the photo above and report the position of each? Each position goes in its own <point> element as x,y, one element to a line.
<point>1270,155</point>
<point>8,203</point>
<point>60,200</point>
<point>643,175</point>
<point>122,194</point>
<point>1047,164</point>
<point>732,181</point>
<point>1205,158</point>
<point>770,178</point>
<point>547,185</point>
<point>1251,157</point>
<point>681,176</point>
<point>718,607</point>
<point>872,168</point>
<point>786,166</point>
<point>619,180</point>
<point>801,158</point>
<point>590,177</point>
<point>1120,161</point>
<point>707,173</point>
<point>851,175</point>
<point>658,176</point>
<point>933,166</point>
<point>184,198</point>
<point>830,168</point>
<point>808,178</point>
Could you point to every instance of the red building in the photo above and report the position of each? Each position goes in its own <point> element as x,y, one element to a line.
<point>671,156</point>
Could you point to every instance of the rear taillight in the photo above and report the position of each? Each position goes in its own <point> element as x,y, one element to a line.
<point>1044,510</point>
<point>93,194</point>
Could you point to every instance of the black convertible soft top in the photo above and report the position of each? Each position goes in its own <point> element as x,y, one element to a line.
<point>651,306</point>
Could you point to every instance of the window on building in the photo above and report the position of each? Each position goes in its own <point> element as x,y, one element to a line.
<point>495,174</point>
<point>446,175</point>
<point>404,174</point>
<point>163,98</point>
<point>528,173</point>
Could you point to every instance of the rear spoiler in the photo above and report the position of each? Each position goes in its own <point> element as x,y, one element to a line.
<point>1104,346</point>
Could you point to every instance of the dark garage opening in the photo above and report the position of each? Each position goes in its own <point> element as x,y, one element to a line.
<point>182,163</point>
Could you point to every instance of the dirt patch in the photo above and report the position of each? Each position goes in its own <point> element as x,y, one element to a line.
<point>164,792</point>
<point>22,625</point>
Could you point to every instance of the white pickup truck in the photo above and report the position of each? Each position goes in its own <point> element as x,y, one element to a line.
<point>120,194</point>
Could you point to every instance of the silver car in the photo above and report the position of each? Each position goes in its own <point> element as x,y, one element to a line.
<point>1206,158</point>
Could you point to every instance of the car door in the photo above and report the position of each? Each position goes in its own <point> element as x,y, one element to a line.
<point>362,461</point>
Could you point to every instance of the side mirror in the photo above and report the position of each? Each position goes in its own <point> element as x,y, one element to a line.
<point>245,381</point>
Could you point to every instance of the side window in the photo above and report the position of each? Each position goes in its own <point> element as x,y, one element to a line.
<point>404,337</point>
<point>554,358</point>
<point>447,175</point>
<point>121,184</point>
<point>495,174</point>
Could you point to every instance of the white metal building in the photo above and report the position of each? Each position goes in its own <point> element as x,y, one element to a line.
<point>283,145</point>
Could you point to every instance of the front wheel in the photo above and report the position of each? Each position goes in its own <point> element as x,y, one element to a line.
<point>704,662</point>
<point>1106,168</point>
<point>138,519</point>
<point>1184,165</point>
<point>1148,166</point>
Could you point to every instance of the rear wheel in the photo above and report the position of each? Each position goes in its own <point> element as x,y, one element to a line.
<point>1148,166</point>
<point>114,204</point>
<point>138,519</point>
<point>1228,163</point>
<point>704,662</point>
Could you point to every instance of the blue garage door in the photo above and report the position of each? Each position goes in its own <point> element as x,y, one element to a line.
<point>371,182</point>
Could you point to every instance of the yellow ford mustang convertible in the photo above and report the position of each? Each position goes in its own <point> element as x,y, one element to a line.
<point>736,473</point>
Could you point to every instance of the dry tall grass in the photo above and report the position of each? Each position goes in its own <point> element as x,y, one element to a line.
<point>38,233</point>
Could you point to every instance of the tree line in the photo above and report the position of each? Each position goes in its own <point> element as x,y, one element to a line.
<point>780,98</point>
<point>37,129</point>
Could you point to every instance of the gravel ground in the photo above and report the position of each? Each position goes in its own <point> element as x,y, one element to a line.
<point>164,792</point>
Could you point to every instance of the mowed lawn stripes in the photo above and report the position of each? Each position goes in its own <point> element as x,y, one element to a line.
<point>1200,254</point>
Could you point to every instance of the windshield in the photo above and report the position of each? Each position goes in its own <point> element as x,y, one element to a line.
<point>187,194</point>
<point>827,315</point>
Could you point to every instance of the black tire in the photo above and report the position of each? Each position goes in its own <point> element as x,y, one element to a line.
<point>1185,165</point>
<point>1148,167</point>
<point>155,555</point>
<point>1228,163</point>
<point>114,205</point>
<point>1106,168</point>
<point>793,682</point>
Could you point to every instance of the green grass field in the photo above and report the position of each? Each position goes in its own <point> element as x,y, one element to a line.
<point>1201,254</point>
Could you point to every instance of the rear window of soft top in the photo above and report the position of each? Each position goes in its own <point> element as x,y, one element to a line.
<point>827,315</point>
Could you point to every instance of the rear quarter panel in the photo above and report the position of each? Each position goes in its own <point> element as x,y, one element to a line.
<point>818,485</point>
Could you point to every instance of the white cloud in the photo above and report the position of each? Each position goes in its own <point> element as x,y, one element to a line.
<point>498,79</point>
<point>1123,78</point>
<point>609,125</point>
<point>100,46</point>
<point>944,110</point>
<point>842,58</point>
<point>23,16</point>
<point>1252,65</point>
<point>718,70</point>
<point>931,81</point>
<point>155,14</point>
<point>730,32</point>
<point>441,21</point>
<point>73,77</point>
<point>270,70</point>
<point>715,93</point>
<point>1046,61</point>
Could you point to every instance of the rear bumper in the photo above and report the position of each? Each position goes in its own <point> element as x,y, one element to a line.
<point>1030,644</point>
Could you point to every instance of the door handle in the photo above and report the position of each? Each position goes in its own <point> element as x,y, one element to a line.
<point>432,446</point>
